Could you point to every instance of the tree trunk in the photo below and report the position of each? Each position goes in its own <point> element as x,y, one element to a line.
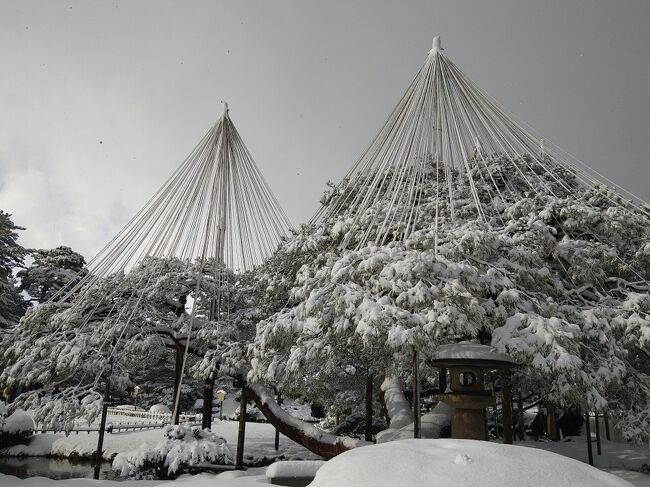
<point>241,436</point>
<point>102,424</point>
<point>521,426</point>
<point>208,397</point>
<point>506,407</point>
<point>315,440</point>
<point>398,408</point>
<point>590,452</point>
<point>368,436</point>
<point>597,425</point>
<point>551,423</point>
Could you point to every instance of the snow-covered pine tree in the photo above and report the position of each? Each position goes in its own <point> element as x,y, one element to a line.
<point>456,223</point>
<point>173,270</point>
<point>559,282</point>
<point>12,256</point>
<point>50,271</point>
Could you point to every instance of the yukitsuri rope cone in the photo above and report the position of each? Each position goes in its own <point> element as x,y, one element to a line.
<point>215,218</point>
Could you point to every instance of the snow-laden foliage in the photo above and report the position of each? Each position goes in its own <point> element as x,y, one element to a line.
<point>128,324</point>
<point>554,274</point>
<point>120,324</point>
<point>181,446</point>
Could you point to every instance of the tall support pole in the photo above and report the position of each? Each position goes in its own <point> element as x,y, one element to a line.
<point>495,416</point>
<point>606,420</point>
<point>208,386</point>
<point>506,407</point>
<point>597,425</point>
<point>102,423</point>
<point>239,460</point>
<point>276,443</point>
<point>368,432</point>
<point>590,452</point>
<point>176,410</point>
<point>416,397</point>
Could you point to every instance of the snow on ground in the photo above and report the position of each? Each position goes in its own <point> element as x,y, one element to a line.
<point>259,443</point>
<point>622,459</point>
<point>458,463</point>
<point>250,478</point>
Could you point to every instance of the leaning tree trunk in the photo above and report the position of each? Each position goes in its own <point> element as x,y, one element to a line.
<point>315,440</point>
<point>397,406</point>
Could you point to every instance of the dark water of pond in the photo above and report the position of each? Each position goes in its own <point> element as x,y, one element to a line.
<point>54,468</point>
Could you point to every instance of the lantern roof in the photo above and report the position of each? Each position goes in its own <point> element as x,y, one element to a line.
<point>471,353</point>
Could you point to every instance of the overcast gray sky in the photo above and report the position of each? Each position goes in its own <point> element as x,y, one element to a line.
<point>100,101</point>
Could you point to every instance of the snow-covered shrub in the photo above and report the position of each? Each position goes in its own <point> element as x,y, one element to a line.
<point>160,409</point>
<point>181,446</point>
<point>15,428</point>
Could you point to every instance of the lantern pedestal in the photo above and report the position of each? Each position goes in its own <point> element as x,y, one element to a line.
<point>468,419</point>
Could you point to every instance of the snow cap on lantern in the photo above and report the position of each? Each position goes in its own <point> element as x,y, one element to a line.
<point>471,353</point>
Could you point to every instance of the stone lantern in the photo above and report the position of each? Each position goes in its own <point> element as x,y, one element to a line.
<point>467,363</point>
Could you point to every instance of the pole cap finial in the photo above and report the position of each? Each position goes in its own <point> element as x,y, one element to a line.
<point>436,46</point>
<point>225,107</point>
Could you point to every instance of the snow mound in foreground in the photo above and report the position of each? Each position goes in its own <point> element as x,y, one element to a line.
<point>457,463</point>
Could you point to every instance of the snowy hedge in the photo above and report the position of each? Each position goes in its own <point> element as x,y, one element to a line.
<point>14,428</point>
<point>181,446</point>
